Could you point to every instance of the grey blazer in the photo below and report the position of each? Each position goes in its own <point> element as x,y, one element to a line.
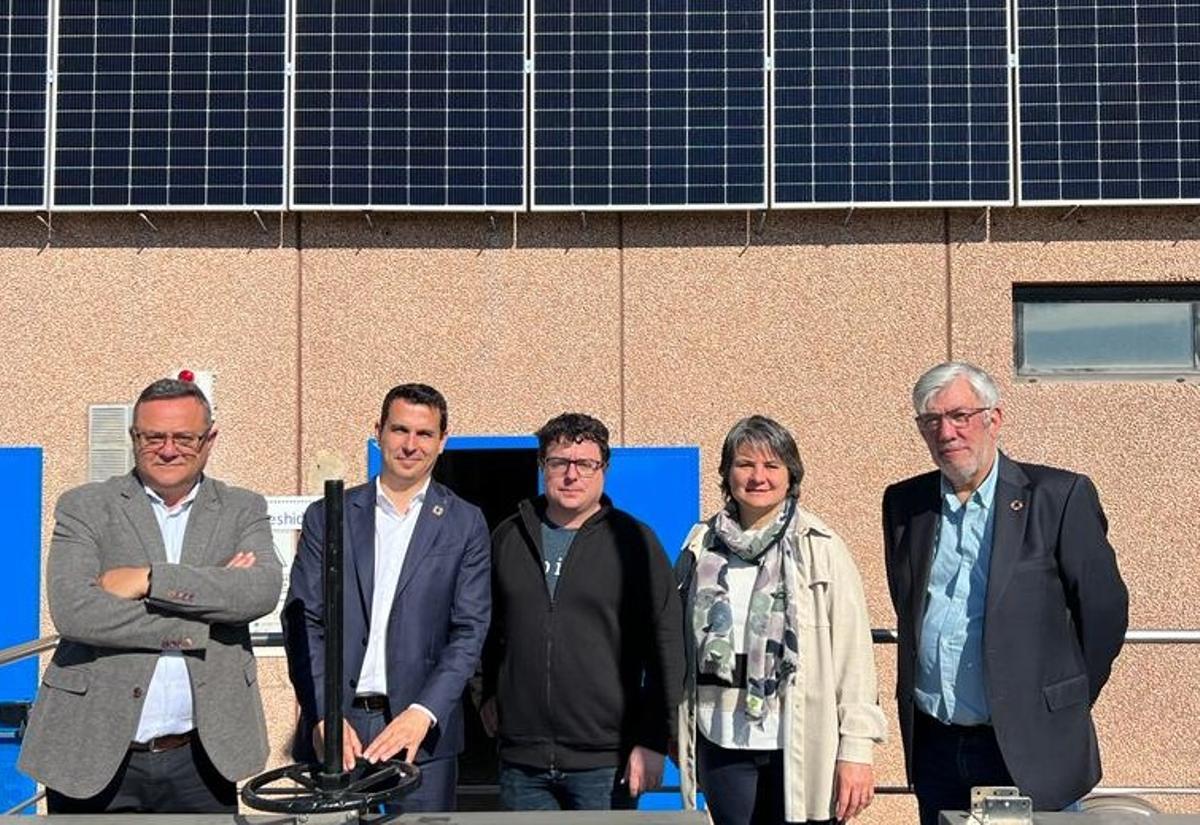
<point>90,700</point>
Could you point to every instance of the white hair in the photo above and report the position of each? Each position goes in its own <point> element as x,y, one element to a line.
<point>943,375</point>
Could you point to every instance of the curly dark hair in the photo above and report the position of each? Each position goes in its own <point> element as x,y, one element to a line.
<point>573,428</point>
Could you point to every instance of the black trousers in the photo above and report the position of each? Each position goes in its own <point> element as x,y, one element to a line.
<point>742,787</point>
<point>438,791</point>
<point>178,781</point>
<point>949,760</point>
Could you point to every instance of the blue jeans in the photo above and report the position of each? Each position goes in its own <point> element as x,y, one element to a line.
<point>541,789</point>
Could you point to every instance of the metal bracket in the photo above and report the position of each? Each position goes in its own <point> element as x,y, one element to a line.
<point>14,716</point>
<point>1000,805</point>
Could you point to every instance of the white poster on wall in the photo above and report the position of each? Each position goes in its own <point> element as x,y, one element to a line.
<point>287,517</point>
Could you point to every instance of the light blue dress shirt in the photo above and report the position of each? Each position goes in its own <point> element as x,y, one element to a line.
<point>168,705</point>
<point>949,684</point>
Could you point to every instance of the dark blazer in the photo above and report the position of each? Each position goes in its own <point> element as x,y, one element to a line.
<point>1054,621</point>
<point>438,622</point>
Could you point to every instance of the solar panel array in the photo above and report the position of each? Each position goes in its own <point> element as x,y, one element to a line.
<point>905,102</point>
<point>24,29</point>
<point>409,103</point>
<point>1109,100</point>
<point>422,104</point>
<point>649,103</point>
<point>170,103</point>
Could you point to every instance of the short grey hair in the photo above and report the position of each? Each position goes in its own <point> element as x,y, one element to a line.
<point>943,375</point>
<point>166,388</point>
<point>767,434</point>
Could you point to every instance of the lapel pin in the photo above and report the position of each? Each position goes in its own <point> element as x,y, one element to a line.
<point>1016,504</point>
<point>438,510</point>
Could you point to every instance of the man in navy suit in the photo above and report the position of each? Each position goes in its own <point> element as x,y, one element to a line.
<point>1010,608</point>
<point>416,606</point>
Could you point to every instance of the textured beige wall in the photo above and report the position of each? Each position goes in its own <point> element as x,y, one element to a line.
<point>1135,439</point>
<point>95,311</point>
<point>510,334</point>
<point>668,327</point>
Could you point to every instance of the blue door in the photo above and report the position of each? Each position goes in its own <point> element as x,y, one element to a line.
<point>21,515</point>
<point>658,485</point>
<point>661,486</point>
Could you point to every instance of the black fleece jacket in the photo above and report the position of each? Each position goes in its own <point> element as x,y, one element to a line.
<point>581,679</point>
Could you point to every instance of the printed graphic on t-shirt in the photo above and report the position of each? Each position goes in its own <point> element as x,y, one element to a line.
<point>556,542</point>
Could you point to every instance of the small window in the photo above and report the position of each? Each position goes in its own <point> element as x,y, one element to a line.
<point>1107,331</point>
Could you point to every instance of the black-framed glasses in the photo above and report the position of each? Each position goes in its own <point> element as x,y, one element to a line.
<point>959,419</point>
<point>586,467</point>
<point>184,442</point>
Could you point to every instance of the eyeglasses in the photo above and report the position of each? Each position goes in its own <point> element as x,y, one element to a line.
<point>959,419</point>
<point>586,467</point>
<point>184,442</point>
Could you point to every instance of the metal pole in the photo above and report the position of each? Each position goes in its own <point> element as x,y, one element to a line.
<point>333,776</point>
<point>27,649</point>
<point>20,806</point>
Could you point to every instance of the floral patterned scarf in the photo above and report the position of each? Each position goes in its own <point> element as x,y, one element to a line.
<point>772,643</point>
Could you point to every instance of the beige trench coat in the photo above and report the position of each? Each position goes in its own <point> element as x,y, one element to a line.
<point>830,711</point>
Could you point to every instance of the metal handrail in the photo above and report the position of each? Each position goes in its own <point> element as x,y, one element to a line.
<point>15,653</point>
<point>889,636</point>
<point>880,635</point>
<point>20,806</point>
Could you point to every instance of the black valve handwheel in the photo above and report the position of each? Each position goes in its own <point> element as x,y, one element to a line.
<point>302,789</point>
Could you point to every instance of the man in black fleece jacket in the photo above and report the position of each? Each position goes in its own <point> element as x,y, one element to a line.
<point>583,666</point>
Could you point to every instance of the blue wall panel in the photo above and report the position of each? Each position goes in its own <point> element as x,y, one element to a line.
<point>21,517</point>
<point>659,485</point>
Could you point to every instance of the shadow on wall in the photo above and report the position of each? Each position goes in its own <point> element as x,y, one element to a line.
<point>594,230</point>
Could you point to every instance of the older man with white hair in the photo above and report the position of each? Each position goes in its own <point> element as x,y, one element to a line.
<point>1009,604</point>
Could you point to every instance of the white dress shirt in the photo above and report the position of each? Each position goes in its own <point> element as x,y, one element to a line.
<point>393,534</point>
<point>168,705</point>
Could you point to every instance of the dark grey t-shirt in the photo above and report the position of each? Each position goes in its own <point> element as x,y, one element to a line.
<point>556,542</point>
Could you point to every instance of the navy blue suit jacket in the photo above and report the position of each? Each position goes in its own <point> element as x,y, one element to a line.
<point>438,622</point>
<point>1054,620</point>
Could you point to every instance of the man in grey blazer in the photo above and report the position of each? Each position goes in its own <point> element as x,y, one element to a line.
<point>150,703</point>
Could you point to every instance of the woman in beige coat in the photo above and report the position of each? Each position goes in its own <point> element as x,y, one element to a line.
<point>781,713</point>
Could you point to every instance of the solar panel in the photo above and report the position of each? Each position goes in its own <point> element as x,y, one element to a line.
<point>1109,101</point>
<point>170,104</point>
<point>897,103</point>
<point>649,103</point>
<point>23,64</point>
<point>409,104</point>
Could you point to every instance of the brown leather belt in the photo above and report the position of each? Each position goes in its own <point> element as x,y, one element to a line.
<point>163,743</point>
<point>371,701</point>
